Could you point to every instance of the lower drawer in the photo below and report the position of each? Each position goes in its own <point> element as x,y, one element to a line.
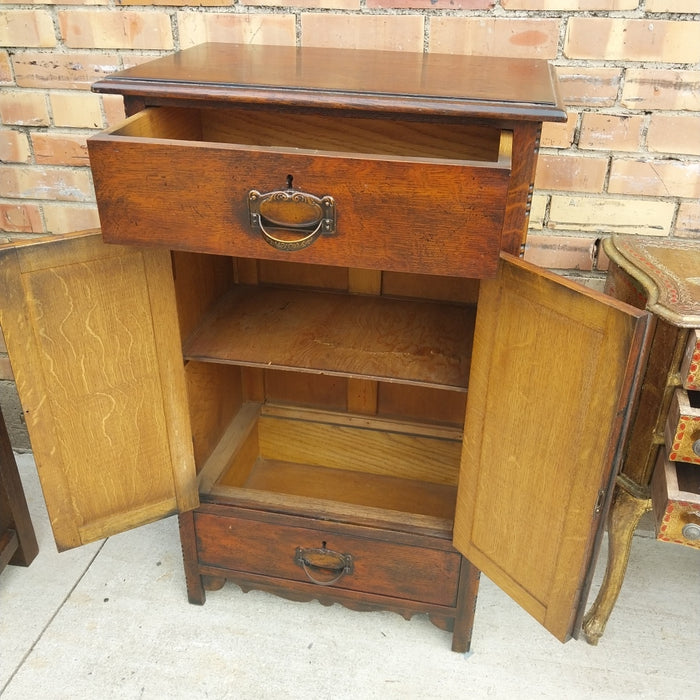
<point>676,501</point>
<point>349,557</point>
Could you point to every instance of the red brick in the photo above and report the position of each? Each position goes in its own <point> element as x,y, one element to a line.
<point>24,108</point>
<point>64,218</point>
<point>589,87</point>
<point>658,178</point>
<point>561,252</point>
<point>654,89</point>
<point>60,149</point>
<point>433,4</point>
<point>489,36</point>
<point>610,215</point>
<point>76,109</point>
<point>674,133</point>
<point>64,71</point>
<point>46,183</point>
<point>5,69</point>
<point>14,146</point>
<point>107,29</point>
<point>688,221</point>
<point>27,28</point>
<point>179,3</point>
<point>113,106</point>
<point>20,218</point>
<point>197,27</point>
<point>387,32</point>
<point>559,135</point>
<point>570,5</point>
<point>632,40</point>
<point>306,4</point>
<point>672,6</point>
<point>571,173</point>
<point>610,132</point>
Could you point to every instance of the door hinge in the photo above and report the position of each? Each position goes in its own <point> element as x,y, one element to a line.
<point>599,502</point>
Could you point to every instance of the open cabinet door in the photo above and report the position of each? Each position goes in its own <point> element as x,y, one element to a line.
<point>553,371</point>
<point>91,330</point>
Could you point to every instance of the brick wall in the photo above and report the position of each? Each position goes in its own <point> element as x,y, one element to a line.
<point>627,160</point>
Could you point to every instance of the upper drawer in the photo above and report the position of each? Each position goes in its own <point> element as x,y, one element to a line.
<point>411,196</point>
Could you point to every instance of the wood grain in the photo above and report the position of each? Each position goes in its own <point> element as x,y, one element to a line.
<point>541,439</point>
<point>428,213</point>
<point>381,81</point>
<point>367,337</point>
<point>78,321</point>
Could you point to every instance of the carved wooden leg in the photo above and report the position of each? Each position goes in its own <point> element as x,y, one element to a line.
<point>195,587</point>
<point>625,512</point>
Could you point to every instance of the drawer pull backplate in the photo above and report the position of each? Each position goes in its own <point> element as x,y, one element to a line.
<point>290,219</point>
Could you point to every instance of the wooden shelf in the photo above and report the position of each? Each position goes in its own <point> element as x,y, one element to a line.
<point>407,341</point>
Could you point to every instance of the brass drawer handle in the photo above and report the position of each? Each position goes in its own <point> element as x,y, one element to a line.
<point>304,217</point>
<point>323,561</point>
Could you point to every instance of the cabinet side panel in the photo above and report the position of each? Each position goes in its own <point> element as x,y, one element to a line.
<point>82,343</point>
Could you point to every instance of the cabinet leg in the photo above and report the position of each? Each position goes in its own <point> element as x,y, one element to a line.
<point>625,512</point>
<point>193,579</point>
<point>466,603</point>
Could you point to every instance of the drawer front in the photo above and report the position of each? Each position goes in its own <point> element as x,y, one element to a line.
<point>400,213</point>
<point>328,558</point>
<point>676,501</point>
<point>683,427</point>
<point>690,367</point>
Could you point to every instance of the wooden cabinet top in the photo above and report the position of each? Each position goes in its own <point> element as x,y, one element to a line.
<point>388,81</point>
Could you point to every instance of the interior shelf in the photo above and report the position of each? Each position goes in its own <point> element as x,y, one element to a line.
<point>415,342</point>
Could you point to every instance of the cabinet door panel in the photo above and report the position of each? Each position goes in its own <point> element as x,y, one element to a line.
<point>553,370</point>
<point>92,335</point>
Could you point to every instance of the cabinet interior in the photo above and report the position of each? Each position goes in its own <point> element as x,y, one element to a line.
<point>317,387</point>
<point>281,129</point>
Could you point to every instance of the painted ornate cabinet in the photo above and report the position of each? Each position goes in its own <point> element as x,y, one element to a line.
<point>661,459</point>
<point>304,327</point>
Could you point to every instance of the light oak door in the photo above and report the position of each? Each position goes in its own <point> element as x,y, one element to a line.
<point>91,330</point>
<point>553,372</point>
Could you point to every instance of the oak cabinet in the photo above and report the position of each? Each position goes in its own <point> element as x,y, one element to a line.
<point>310,334</point>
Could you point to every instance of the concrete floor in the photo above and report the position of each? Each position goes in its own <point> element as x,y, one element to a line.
<point>111,620</point>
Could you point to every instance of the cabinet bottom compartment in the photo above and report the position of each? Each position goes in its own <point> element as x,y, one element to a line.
<point>313,504</point>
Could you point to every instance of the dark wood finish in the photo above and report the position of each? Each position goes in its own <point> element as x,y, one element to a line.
<point>172,200</point>
<point>265,544</point>
<point>18,543</point>
<point>366,80</point>
<point>188,542</point>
